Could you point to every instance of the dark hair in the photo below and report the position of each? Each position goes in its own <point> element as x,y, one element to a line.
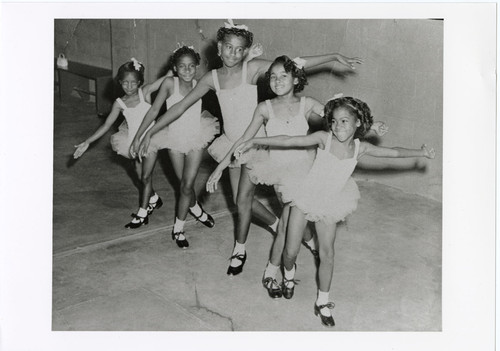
<point>185,51</point>
<point>358,108</point>
<point>223,31</point>
<point>290,67</point>
<point>129,67</point>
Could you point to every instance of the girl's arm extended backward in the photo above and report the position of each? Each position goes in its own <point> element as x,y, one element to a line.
<point>161,97</point>
<point>317,138</point>
<point>113,115</point>
<point>258,67</point>
<point>174,112</point>
<point>258,119</point>
<point>150,88</point>
<point>395,152</point>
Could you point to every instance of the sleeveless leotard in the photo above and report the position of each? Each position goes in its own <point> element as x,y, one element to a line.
<point>283,166</point>
<point>192,131</point>
<point>328,193</point>
<point>121,141</point>
<point>237,107</point>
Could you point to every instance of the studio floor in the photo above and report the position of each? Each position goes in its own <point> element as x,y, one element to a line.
<point>108,278</point>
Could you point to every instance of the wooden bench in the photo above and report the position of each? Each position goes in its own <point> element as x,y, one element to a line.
<point>67,81</point>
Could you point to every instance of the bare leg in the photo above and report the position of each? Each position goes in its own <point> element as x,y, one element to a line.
<point>326,240</point>
<point>279,239</point>
<point>295,232</point>
<point>147,167</point>
<point>186,168</point>
<point>258,209</point>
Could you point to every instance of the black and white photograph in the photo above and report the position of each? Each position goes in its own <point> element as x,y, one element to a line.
<point>268,168</point>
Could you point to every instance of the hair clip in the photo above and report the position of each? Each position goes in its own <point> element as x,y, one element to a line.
<point>336,96</point>
<point>181,45</point>
<point>137,64</point>
<point>230,24</point>
<point>299,62</point>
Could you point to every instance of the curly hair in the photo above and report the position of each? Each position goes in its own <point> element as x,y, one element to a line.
<point>129,67</point>
<point>222,32</point>
<point>185,51</point>
<point>358,109</point>
<point>290,67</point>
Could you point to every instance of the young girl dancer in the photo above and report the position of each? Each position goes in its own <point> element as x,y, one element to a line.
<point>286,114</point>
<point>328,193</point>
<point>134,105</point>
<point>235,86</point>
<point>185,138</point>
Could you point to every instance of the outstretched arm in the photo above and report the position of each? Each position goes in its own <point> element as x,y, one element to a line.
<point>113,115</point>
<point>317,138</point>
<point>258,67</point>
<point>312,61</point>
<point>395,152</point>
<point>259,116</point>
<point>163,93</point>
<point>177,110</point>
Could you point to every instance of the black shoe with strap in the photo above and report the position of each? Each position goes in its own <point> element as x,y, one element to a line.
<point>182,243</point>
<point>327,321</point>
<point>209,222</point>
<point>137,221</point>
<point>154,205</point>
<point>237,270</point>
<point>288,292</point>
<point>272,286</point>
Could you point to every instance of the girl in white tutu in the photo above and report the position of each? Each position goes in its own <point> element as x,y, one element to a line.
<point>185,138</point>
<point>328,193</point>
<point>133,105</point>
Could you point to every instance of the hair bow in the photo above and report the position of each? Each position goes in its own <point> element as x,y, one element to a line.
<point>137,64</point>
<point>180,45</point>
<point>336,96</point>
<point>230,24</point>
<point>299,62</point>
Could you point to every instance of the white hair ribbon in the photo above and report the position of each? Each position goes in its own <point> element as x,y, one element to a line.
<point>336,96</point>
<point>180,45</point>
<point>230,24</point>
<point>299,62</point>
<point>137,64</point>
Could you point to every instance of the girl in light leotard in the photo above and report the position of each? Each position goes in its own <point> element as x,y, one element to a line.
<point>328,193</point>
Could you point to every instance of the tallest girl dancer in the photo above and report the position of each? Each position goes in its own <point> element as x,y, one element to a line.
<point>235,86</point>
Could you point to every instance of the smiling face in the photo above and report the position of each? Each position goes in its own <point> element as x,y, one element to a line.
<point>344,124</point>
<point>281,81</point>
<point>130,83</point>
<point>185,68</point>
<point>232,50</point>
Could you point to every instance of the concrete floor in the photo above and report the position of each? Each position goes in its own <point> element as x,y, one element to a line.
<point>107,278</point>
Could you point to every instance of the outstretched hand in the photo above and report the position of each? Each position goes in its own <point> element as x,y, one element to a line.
<point>213,180</point>
<point>256,50</point>
<point>348,61</point>
<point>80,149</point>
<point>380,128</point>
<point>429,153</point>
<point>144,147</point>
<point>134,148</point>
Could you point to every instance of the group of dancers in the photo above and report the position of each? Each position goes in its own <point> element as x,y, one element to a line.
<point>262,143</point>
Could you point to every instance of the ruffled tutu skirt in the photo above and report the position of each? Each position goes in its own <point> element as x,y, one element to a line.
<point>120,141</point>
<point>317,203</point>
<point>283,171</point>
<point>222,145</point>
<point>186,139</point>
